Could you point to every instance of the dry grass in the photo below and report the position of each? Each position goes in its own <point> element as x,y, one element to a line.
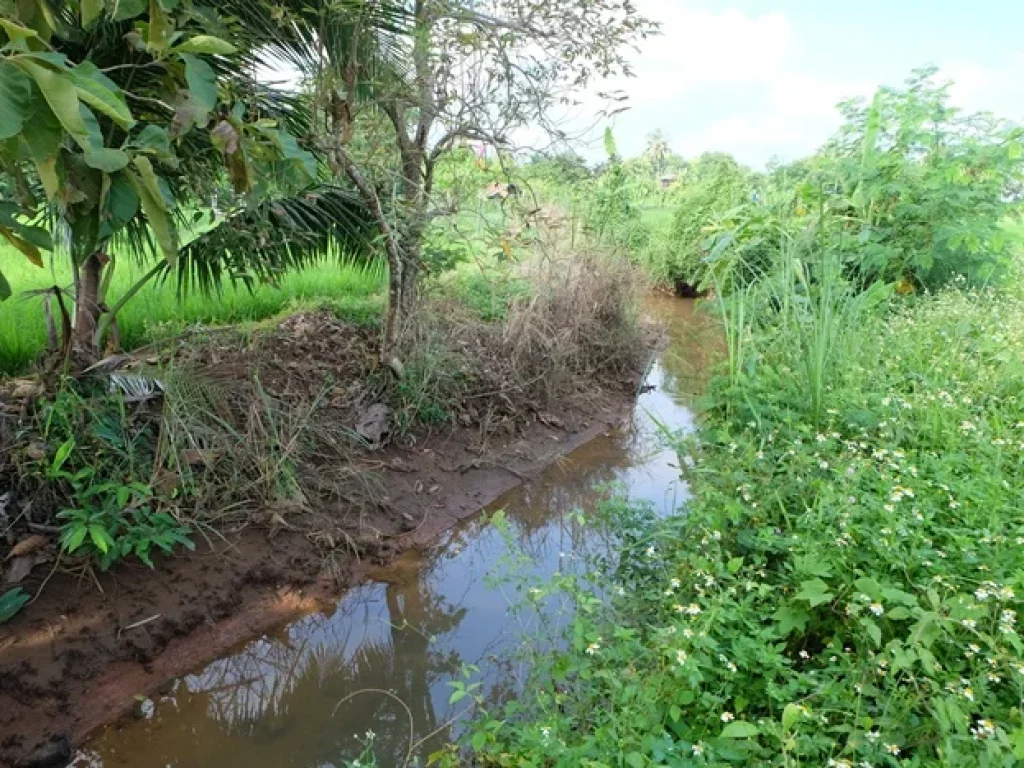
<point>574,332</point>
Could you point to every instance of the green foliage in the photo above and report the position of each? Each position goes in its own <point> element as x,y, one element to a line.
<point>489,293</point>
<point>714,185</point>
<point>84,153</point>
<point>927,186</point>
<point>98,452</point>
<point>12,601</point>
<point>611,212</point>
<point>910,191</point>
<point>839,593</point>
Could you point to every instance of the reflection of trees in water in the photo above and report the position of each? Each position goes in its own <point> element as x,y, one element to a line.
<point>686,364</point>
<point>292,682</point>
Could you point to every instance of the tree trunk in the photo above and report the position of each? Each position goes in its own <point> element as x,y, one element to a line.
<point>87,302</point>
<point>393,318</point>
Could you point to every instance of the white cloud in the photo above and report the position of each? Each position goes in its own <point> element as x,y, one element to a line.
<point>998,88</point>
<point>745,83</point>
<point>699,49</point>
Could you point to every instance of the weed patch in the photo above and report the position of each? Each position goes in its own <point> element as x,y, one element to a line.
<point>842,593</point>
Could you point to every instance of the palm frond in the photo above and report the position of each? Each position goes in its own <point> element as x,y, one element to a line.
<point>259,244</point>
<point>311,36</point>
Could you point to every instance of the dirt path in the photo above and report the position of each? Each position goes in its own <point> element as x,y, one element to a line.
<point>75,659</point>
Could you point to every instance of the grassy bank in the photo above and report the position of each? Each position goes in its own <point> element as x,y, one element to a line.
<point>843,591</point>
<point>157,311</point>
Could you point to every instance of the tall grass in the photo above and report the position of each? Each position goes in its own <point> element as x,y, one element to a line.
<point>157,310</point>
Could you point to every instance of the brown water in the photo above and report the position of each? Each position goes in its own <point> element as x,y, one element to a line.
<point>274,702</point>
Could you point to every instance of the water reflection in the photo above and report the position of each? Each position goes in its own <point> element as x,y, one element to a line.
<point>290,698</point>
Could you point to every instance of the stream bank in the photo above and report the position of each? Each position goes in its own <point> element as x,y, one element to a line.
<point>95,665</point>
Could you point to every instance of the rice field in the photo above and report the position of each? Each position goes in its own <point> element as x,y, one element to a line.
<point>354,290</point>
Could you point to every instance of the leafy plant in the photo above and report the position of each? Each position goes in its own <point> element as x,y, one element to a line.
<point>111,515</point>
<point>12,601</point>
<point>118,521</point>
<point>840,592</point>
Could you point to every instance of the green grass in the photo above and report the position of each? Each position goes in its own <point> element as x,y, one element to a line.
<point>352,290</point>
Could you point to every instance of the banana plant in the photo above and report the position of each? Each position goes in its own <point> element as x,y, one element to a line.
<point>115,117</point>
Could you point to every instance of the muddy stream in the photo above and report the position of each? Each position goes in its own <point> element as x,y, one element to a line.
<point>274,701</point>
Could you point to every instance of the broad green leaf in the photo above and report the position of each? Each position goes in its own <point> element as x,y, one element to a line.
<point>739,730</point>
<point>815,592</point>
<point>107,160</point>
<point>76,538</point>
<point>791,716</point>
<point>899,596</point>
<point>61,95</point>
<point>873,630</point>
<point>91,10</point>
<point>15,100</point>
<point>5,288</point>
<point>869,587</point>
<point>153,136</point>
<point>147,187</point>
<point>11,602</point>
<point>202,83</point>
<point>205,44</point>
<point>62,454</point>
<point>100,93</point>
<point>150,180</point>
<point>100,537</point>
<point>17,34</point>
<point>1017,741</point>
<point>479,740</point>
<point>129,9</point>
<point>122,201</point>
<point>791,618</point>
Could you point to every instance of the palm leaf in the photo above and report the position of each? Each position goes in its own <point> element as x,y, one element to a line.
<point>259,244</point>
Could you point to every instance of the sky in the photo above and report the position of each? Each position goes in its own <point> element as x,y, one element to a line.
<point>761,78</point>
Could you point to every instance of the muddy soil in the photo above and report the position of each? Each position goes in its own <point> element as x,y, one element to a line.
<point>76,658</point>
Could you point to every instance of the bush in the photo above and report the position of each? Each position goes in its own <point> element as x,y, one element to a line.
<point>715,184</point>
<point>910,191</point>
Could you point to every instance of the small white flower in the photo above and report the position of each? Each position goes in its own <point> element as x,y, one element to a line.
<point>681,657</point>
<point>545,731</point>
<point>892,749</point>
<point>728,717</point>
<point>674,583</point>
<point>969,623</point>
<point>370,735</point>
<point>593,648</point>
<point>876,608</point>
<point>698,749</point>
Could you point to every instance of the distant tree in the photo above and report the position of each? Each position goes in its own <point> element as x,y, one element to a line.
<point>657,151</point>
<point>440,72</point>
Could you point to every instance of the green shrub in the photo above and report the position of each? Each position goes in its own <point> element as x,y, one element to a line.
<point>715,185</point>
<point>910,191</point>
<point>95,454</point>
<point>925,187</point>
